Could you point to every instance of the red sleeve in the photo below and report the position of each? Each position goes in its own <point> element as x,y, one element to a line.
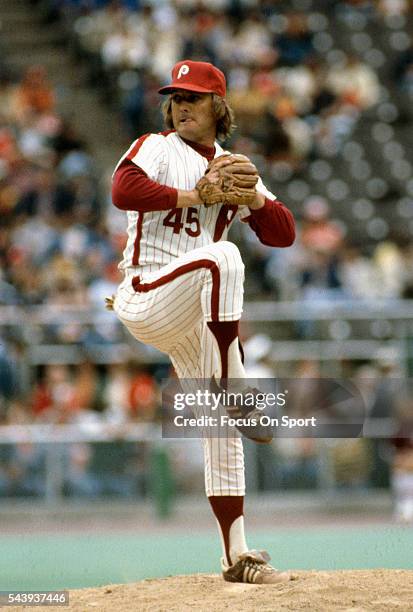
<point>133,190</point>
<point>273,223</point>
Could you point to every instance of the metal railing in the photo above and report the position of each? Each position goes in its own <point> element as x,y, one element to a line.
<point>330,343</point>
<point>157,470</point>
<point>315,310</point>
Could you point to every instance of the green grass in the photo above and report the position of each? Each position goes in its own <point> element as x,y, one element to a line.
<point>29,562</point>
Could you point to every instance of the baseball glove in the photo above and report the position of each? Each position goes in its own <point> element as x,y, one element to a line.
<point>228,179</point>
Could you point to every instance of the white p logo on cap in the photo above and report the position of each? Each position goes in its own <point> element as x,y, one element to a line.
<point>184,69</point>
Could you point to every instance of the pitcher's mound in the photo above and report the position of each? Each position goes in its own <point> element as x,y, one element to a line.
<point>345,591</point>
<point>355,591</point>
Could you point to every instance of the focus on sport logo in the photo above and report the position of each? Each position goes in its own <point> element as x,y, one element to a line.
<point>183,71</point>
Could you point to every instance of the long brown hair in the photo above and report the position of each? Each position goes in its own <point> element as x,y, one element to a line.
<point>224,116</point>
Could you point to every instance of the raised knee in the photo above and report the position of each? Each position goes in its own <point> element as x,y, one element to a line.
<point>229,256</point>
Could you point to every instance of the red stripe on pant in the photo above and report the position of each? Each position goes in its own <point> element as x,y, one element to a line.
<point>184,269</point>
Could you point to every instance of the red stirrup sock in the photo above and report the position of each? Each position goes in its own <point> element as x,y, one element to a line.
<point>228,511</point>
<point>226,336</point>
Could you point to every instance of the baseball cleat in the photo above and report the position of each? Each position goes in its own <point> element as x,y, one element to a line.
<point>252,567</point>
<point>247,418</point>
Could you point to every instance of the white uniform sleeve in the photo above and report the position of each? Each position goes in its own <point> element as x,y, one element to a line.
<point>149,153</point>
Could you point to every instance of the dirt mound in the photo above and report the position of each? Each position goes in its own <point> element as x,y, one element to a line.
<point>347,591</point>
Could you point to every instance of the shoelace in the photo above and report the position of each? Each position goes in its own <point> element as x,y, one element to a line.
<point>259,566</point>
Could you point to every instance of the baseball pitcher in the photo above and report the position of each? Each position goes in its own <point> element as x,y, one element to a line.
<point>183,280</point>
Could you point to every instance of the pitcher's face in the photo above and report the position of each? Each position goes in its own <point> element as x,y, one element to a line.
<point>193,116</point>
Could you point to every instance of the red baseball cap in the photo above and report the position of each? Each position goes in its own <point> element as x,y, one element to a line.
<point>202,77</point>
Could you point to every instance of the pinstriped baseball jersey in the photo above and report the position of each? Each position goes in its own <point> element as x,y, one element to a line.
<point>181,272</point>
<point>156,238</point>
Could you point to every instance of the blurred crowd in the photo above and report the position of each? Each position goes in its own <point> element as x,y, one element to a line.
<point>87,393</point>
<point>55,243</point>
<point>294,93</point>
<point>290,102</point>
<point>325,264</point>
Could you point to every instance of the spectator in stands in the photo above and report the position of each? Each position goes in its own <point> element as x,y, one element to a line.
<point>65,139</point>
<point>116,393</point>
<point>78,479</point>
<point>45,198</point>
<point>132,102</point>
<point>320,279</point>
<point>295,44</point>
<point>143,395</point>
<point>319,233</point>
<point>88,383</point>
<point>270,133</point>
<point>389,265</point>
<point>317,260</point>
<point>257,350</point>
<point>98,289</point>
<point>358,274</point>
<point>7,381</point>
<point>54,396</point>
<point>26,470</point>
<point>6,96</point>
<point>297,130</point>
<point>333,127</point>
<point>27,280</point>
<point>403,70</point>
<point>125,48</point>
<point>348,9</point>
<point>247,101</point>
<point>390,8</point>
<point>34,95</point>
<point>356,83</point>
<point>407,255</point>
<point>251,41</point>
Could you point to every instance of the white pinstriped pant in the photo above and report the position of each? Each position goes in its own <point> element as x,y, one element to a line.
<point>169,309</point>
